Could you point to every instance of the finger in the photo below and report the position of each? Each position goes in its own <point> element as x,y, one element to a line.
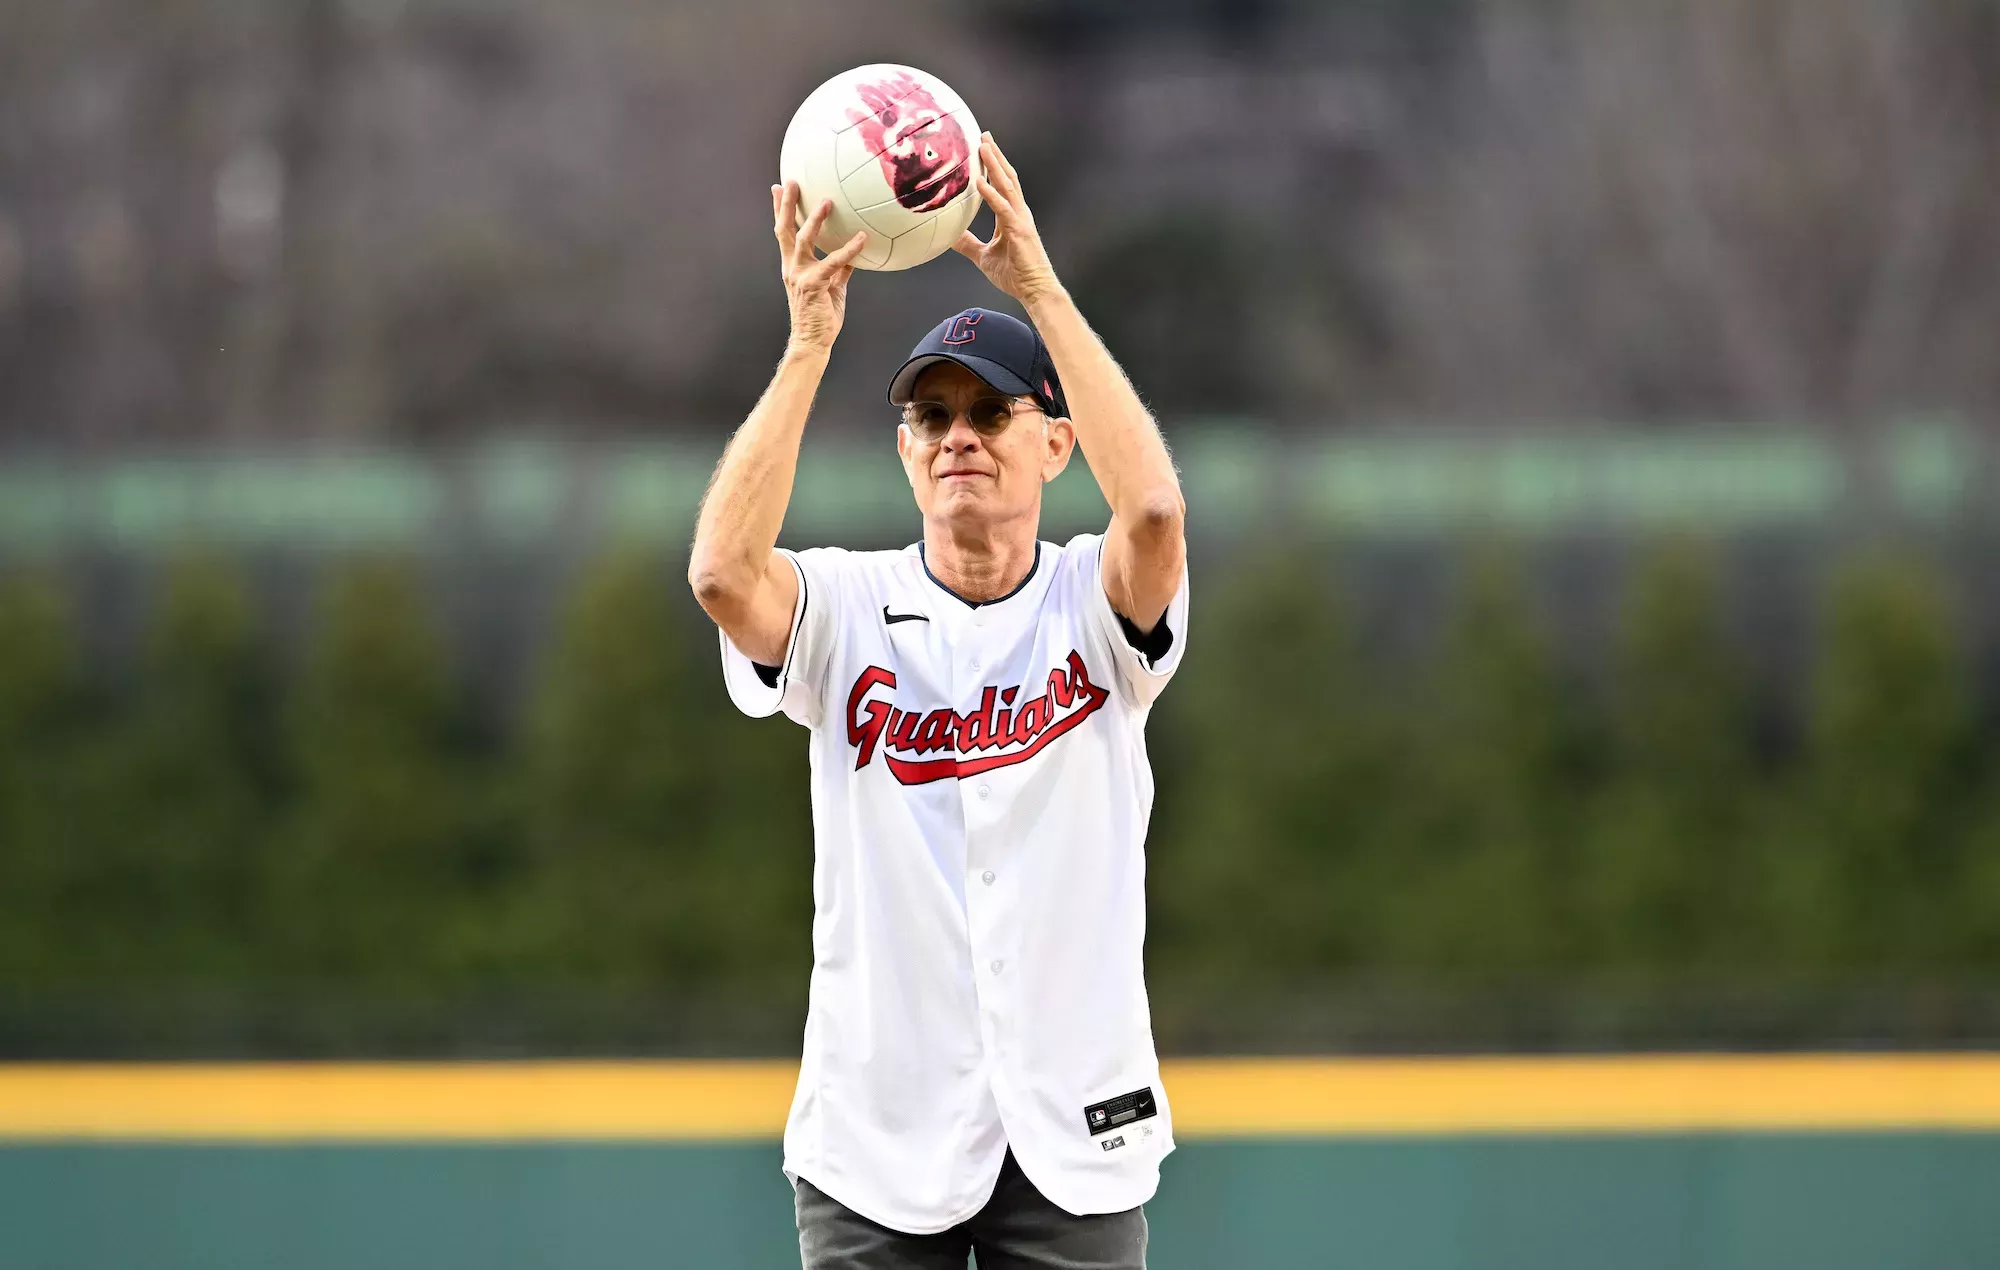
<point>969,245</point>
<point>843,256</point>
<point>1003,163</point>
<point>785,202</point>
<point>803,252</point>
<point>1003,210</point>
<point>998,170</point>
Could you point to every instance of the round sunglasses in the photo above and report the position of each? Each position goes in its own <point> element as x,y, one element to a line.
<point>989,416</point>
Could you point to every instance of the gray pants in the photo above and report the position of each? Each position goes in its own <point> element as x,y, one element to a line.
<point>1017,1230</point>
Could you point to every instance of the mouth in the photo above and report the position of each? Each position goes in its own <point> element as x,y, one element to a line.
<point>959,476</point>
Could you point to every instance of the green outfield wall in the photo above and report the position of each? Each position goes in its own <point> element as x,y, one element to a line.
<point>1645,1163</point>
<point>1243,477</point>
<point>1675,1202</point>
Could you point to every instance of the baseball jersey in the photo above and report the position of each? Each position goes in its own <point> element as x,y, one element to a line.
<point>980,793</point>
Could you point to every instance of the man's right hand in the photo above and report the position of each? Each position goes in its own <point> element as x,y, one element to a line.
<point>815,286</point>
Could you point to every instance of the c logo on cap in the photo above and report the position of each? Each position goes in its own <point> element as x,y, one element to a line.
<point>961,331</point>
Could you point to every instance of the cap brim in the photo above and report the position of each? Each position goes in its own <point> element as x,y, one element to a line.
<point>904,385</point>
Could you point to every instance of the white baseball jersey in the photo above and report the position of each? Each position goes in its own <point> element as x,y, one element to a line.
<point>980,792</point>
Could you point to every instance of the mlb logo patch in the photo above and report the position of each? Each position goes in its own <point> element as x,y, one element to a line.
<point>1113,1113</point>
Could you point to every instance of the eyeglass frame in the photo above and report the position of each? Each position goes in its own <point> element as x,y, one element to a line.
<point>1012,399</point>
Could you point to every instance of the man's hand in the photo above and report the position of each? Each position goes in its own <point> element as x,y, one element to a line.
<point>815,287</point>
<point>1014,260</point>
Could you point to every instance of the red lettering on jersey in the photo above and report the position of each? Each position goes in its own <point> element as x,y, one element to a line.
<point>872,722</point>
<point>938,733</point>
<point>903,733</point>
<point>866,734</point>
<point>978,733</point>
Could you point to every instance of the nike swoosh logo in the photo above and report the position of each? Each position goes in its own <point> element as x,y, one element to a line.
<point>890,619</point>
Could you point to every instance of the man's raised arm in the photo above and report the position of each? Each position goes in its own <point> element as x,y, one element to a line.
<point>739,579</point>
<point>1145,548</point>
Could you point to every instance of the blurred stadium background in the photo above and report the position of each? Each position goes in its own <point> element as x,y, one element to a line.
<point>1587,413</point>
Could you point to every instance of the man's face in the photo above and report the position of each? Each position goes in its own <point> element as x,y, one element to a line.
<point>978,483</point>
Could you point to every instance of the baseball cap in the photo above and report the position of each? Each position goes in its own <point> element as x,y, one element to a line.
<point>1001,349</point>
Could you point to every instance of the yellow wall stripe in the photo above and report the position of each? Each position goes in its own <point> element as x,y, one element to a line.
<point>1584,1095</point>
<point>398,1100</point>
<point>1210,1098</point>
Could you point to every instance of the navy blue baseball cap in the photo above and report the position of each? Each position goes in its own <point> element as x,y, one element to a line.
<point>1002,350</point>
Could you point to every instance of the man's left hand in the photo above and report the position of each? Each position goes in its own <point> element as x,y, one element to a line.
<point>1014,259</point>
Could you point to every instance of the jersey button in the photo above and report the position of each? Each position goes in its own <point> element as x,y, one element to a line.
<point>987,877</point>
<point>975,667</point>
<point>978,618</point>
<point>984,790</point>
<point>998,965</point>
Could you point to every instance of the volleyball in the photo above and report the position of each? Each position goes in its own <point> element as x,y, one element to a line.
<point>897,151</point>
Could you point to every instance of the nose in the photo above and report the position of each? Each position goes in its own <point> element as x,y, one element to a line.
<point>960,438</point>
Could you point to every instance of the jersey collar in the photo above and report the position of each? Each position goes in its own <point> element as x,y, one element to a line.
<point>1033,569</point>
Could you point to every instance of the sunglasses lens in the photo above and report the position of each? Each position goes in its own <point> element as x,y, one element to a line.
<point>930,420</point>
<point>989,414</point>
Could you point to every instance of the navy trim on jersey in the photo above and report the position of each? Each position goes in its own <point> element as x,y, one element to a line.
<point>771,674</point>
<point>1032,569</point>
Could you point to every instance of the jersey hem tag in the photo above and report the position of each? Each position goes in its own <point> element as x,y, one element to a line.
<point>1102,1117</point>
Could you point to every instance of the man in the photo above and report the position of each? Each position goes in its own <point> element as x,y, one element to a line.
<point>979,1075</point>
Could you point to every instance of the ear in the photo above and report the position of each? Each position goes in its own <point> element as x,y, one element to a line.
<point>1059,438</point>
<point>906,450</point>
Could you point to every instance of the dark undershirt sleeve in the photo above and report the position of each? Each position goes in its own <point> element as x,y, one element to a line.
<point>769,674</point>
<point>1155,645</point>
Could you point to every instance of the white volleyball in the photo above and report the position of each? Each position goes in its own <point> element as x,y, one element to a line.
<point>897,151</point>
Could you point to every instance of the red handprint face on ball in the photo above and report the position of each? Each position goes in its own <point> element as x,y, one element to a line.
<point>922,149</point>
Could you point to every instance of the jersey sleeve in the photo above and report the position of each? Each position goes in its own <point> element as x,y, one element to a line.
<point>1141,674</point>
<point>796,687</point>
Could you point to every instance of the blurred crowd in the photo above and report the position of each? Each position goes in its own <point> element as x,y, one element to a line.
<point>407,218</point>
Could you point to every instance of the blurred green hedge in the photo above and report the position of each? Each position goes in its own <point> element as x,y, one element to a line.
<point>320,848</point>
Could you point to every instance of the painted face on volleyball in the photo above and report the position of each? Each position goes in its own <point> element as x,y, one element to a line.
<point>924,152</point>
